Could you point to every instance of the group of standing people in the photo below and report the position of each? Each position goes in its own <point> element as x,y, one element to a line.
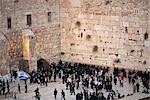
<point>4,87</point>
<point>97,78</point>
<point>90,79</point>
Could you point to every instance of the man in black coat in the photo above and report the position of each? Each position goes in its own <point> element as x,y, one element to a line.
<point>54,77</point>
<point>26,88</point>
<point>55,93</point>
<point>62,95</point>
<point>3,89</point>
<point>19,90</point>
<point>137,86</point>
<point>8,87</point>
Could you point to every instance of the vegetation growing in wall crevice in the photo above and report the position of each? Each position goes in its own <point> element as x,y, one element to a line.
<point>144,62</point>
<point>95,48</point>
<point>72,44</point>
<point>16,1</point>
<point>88,37</point>
<point>117,61</point>
<point>146,36</point>
<point>126,29</point>
<point>132,51</point>
<point>62,53</point>
<point>78,24</point>
<point>108,2</point>
<point>81,35</point>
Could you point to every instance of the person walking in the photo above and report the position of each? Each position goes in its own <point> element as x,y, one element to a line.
<point>14,96</point>
<point>3,89</point>
<point>26,88</point>
<point>19,90</point>
<point>137,86</point>
<point>37,91</point>
<point>54,77</point>
<point>115,80</point>
<point>134,88</point>
<point>78,81</point>
<point>62,95</point>
<point>55,93</point>
<point>46,81</point>
<point>8,90</point>
<point>63,79</point>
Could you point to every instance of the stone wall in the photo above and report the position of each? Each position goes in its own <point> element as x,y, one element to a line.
<point>147,42</point>
<point>100,32</point>
<point>105,32</point>
<point>3,55</point>
<point>4,66</point>
<point>46,41</point>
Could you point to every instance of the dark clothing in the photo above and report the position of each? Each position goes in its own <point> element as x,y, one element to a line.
<point>36,92</point>
<point>19,90</point>
<point>63,95</point>
<point>115,81</point>
<point>137,87</point>
<point>54,77</point>
<point>26,88</point>
<point>55,93</point>
<point>3,88</point>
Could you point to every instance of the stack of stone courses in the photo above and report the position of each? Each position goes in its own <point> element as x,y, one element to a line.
<point>115,27</point>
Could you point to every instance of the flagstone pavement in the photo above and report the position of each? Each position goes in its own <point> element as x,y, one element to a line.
<point>47,92</point>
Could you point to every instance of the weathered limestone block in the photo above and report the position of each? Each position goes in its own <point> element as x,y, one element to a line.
<point>147,44</point>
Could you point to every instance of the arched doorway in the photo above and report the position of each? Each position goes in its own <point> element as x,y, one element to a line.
<point>42,63</point>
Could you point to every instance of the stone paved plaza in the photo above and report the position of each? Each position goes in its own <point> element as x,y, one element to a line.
<point>47,92</point>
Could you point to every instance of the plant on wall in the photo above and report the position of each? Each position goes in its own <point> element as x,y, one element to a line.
<point>144,62</point>
<point>88,37</point>
<point>146,36</point>
<point>117,61</point>
<point>78,24</point>
<point>108,2</point>
<point>95,48</point>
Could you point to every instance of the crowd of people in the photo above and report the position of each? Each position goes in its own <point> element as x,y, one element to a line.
<point>90,79</point>
<point>76,75</point>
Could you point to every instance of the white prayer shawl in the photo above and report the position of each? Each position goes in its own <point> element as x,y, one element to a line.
<point>96,82</point>
<point>69,80</point>
<point>100,73</point>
